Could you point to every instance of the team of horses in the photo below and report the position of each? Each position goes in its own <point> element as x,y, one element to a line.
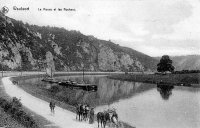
<point>108,116</point>
<point>82,112</point>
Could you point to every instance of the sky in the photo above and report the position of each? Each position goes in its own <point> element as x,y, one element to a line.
<point>153,27</point>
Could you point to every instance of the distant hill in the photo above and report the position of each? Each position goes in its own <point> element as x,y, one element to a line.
<point>188,62</point>
<point>25,47</point>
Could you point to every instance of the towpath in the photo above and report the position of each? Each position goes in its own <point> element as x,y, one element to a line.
<point>62,118</point>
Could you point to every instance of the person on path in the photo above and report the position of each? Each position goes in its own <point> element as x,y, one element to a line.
<point>87,109</point>
<point>52,106</point>
<point>91,118</point>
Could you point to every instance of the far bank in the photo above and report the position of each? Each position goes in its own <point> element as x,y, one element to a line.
<point>178,79</point>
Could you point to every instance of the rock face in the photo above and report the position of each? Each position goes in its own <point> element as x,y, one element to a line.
<point>27,47</point>
<point>109,60</point>
<point>106,58</point>
<point>50,66</point>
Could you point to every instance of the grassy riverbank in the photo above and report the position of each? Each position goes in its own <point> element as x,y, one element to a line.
<point>6,120</point>
<point>39,91</point>
<point>190,78</point>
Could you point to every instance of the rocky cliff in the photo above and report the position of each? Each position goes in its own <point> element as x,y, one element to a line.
<point>31,47</point>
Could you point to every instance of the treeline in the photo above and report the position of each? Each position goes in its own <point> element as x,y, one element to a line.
<point>186,71</point>
<point>14,108</point>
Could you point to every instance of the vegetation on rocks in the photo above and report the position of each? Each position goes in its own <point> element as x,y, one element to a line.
<point>24,47</point>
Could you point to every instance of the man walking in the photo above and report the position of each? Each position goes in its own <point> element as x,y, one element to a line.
<point>91,119</point>
<point>52,106</point>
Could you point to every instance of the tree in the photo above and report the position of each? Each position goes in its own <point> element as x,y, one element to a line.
<point>165,64</point>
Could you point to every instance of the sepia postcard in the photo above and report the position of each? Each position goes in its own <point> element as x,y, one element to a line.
<point>99,63</point>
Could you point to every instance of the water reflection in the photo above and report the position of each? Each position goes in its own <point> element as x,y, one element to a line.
<point>165,90</point>
<point>109,91</point>
<point>138,104</point>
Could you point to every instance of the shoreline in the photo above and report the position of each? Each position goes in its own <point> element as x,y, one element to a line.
<point>31,73</point>
<point>189,79</point>
<point>41,121</point>
<point>59,103</point>
<point>41,107</point>
<point>6,118</point>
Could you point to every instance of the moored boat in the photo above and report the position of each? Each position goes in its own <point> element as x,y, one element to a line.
<point>75,85</point>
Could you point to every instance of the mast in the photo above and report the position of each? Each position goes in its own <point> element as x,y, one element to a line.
<point>51,73</point>
<point>2,69</point>
<point>83,73</point>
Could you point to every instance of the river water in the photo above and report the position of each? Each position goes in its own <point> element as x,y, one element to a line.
<point>138,104</point>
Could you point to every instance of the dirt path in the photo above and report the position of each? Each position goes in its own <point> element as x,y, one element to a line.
<point>61,118</point>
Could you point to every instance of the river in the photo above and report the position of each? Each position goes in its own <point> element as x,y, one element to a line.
<point>138,104</point>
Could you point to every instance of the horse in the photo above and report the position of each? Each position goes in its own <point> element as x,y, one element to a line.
<point>82,107</point>
<point>101,119</point>
<point>114,119</point>
<point>107,116</point>
<point>86,112</point>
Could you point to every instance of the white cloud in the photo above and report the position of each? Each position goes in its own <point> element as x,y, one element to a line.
<point>186,29</point>
<point>149,26</point>
<point>162,15</point>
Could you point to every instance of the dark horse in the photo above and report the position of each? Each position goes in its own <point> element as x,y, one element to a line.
<point>103,118</point>
<point>107,116</point>
<point>80,111</point>
<point>86,112</point>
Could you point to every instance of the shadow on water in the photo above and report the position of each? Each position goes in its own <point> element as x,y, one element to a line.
<point>131,100</point>
<point>109,91</point>
<point>165,90</point>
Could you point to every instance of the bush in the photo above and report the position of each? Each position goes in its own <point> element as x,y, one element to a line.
<point>186,71</point>
<point>54,89</point>
<point>19,114</point>
<point>14,108</point>
<point>16,103</point>
<point>2,102</point>
<point>7,106</point>
<point>13,111</point>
